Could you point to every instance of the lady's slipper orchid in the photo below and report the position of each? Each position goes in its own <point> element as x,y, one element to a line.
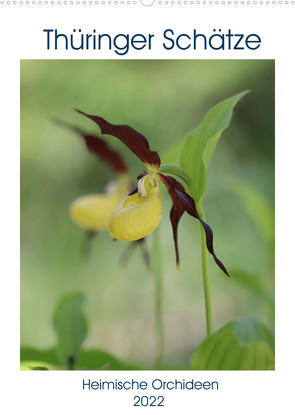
<point>92,212</point>
<point>139,214</point>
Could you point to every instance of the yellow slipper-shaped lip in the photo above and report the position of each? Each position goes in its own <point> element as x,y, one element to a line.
<point>136,217</point>
<point>92,212</point>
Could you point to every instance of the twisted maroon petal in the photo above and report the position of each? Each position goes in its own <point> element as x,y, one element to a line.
<point>135,141</point>
<point>99,147</point>
<point>183,202</point>
<point>189,205</point>
<point>177,209</point>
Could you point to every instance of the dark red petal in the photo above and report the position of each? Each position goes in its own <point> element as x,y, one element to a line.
<point>100,148</point>
<point>136,142</point>
<point>177,209</point>
<point>189,205</point>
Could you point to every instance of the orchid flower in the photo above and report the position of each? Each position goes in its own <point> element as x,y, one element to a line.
<point>92,212</point>
<point>140,213</point>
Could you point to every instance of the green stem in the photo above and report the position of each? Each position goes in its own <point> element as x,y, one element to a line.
<point>205,268</point>
<point>157,266</point>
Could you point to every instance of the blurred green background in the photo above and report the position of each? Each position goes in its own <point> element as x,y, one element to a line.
<point>164,100</point>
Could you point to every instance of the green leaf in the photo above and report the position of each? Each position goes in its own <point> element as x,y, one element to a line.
<point>239,345</point>
<point>200,144</point>
<point>98,360</point>
<point>34,365</point>
<point>71,327</point>
<point>259,209</point>
<point>87,360</point>
<point>171,155</point>
<point>48,356</point>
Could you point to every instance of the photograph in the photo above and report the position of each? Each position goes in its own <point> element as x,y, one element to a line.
<point>147,235</point>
